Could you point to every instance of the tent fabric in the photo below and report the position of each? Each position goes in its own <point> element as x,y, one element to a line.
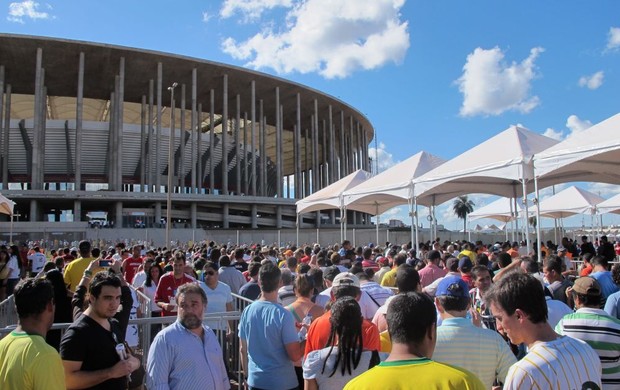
<point>498,210</point>
<point>391,187</point>
<point>496,166</point>
<point>611,205</point>
<point>591,155</point>
<point>570,201</point>
<point>330,196</point>
<point>6,205</point>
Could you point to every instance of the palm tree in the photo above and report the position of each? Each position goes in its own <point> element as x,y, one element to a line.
<point>461,207</point>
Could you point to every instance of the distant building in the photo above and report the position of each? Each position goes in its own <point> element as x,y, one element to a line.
<point>396,223</point>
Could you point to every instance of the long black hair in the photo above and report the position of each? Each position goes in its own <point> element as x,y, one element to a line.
<point>149,279</point>
<point>346,329</point>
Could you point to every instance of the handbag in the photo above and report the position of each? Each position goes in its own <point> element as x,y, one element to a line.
<point>137,377</point>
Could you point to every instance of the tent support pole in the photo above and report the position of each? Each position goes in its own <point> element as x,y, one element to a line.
<point>417,238</point>
<point>377,210</point>
<point>527,227</point>
<point>538,246</point>
<point>297,230</point>
<point>11,234</point>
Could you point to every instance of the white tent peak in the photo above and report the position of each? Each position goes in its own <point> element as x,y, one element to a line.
<point>330,196</point>
<point>495,166</point>
<point>391,187</point>
<point>591,155</point>
<point>6,205</point>
<point>498,210</point>
<point>571,201</point>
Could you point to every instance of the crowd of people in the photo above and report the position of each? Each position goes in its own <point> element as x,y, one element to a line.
<point>447,315</point>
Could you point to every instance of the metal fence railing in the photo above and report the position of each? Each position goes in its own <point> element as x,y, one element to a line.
<point>230,344</point>
<point>8,314</point>
<point>146,325</point>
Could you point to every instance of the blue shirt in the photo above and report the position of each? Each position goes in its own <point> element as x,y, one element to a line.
<point>608,286</point>
<point>179,359</point>
<point>267,327</point>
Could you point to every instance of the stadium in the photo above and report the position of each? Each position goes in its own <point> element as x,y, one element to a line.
<point>86,130</point>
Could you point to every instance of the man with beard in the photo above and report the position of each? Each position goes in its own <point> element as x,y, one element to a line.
<point>186,355</point>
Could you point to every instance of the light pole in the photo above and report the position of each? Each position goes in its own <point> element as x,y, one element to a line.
<point>170,164</point>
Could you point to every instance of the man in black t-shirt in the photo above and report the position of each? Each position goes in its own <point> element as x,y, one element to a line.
<point>88,348</point>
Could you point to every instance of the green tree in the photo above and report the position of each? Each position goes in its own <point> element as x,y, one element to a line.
<point>461,207</point>
<point>533,221</point>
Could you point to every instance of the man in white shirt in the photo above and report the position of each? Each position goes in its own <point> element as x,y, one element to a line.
<point>553,362</point>
<point>36,261</point>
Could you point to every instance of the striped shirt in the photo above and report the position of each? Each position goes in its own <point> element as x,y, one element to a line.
<point>602,333</point>
<point>481,351</point>
<point>564,363</point>
<point>179,359</point>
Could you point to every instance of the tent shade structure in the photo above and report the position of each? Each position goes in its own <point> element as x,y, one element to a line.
<point>6,205</point>
<point>497,166</point>
<point>499,210</point>
<point>569,202</point>
<point>591,155</point>
<point>611,205</point>
<point>330,196</point>
<point>391,187</point>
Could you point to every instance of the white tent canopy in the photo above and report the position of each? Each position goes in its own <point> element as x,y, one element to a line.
<point>6,205</point>
<point>391,187</point>
<point>591,155</point>
<point>569,202</point>
<point>330,197</point>
<point>611,205</point>
<point>497,166</point>
<point>499,210</point>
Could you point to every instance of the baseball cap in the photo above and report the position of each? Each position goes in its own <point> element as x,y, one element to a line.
<point>561,248</point>
<point>382,260</point>
<point>346,279</point>
<point>465,264</point>
<point>587,286</point>
<point>452,286</point>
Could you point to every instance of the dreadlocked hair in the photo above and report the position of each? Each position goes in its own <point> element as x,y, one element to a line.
<point>346,330</point>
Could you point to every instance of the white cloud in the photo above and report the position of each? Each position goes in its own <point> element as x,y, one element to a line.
<point>490,86</point>
<point>206,17</point>
<point>385,159</point>
<point>593,81</point>
<point>333,38</point>
<point>250,9</point>
<point>613,38</point>
<point>552,133</point>
<point>574,125</point>
<point>26,9</point>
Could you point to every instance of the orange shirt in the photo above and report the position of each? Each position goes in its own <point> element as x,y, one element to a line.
<point>318,334</point>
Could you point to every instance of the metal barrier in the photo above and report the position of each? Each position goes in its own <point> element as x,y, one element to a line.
<point>8,312</point>
<point>229,342</point>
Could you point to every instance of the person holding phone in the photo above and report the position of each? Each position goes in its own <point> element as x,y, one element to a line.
<point>75,269</point>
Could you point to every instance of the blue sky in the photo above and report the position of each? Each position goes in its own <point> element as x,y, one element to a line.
<point>439,76</point>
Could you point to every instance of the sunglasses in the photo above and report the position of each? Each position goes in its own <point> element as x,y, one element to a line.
<point>210,273</point>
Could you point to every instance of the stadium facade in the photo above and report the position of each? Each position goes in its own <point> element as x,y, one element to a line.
<point>86,130</point>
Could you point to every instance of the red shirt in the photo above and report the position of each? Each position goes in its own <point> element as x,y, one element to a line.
<point>371,264</point>
<point>167,288</point>
<point>318,334</point>
<point>131,268</point>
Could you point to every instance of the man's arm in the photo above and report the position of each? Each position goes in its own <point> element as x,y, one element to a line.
<point>158,366</point>
<point>295,350</point>
<point>516,262</point>
<point>75,378</point>
<point>243,354</point>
